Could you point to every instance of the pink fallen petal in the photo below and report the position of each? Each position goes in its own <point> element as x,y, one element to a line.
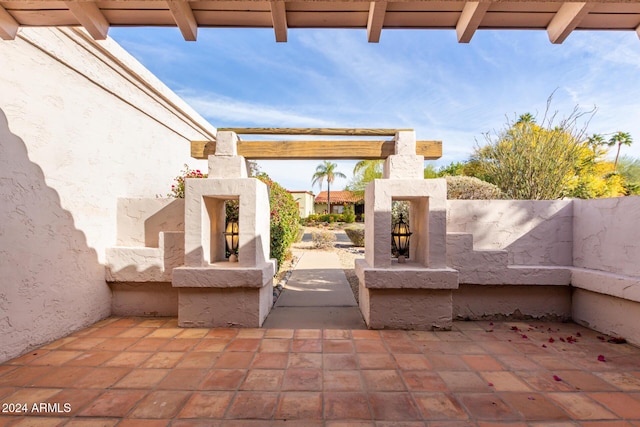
<point>524,336</point>
<point>552,340</point>
<point>544,346</point>
<point>601,358</point>
<point>578,334</point>
<point>490,384</point>
<point>490,323</point>
<point>557,378</point>
<point>531,398</point>
<point>600,337</point>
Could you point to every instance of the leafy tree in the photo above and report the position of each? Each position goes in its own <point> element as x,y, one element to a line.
<point>430,172</point>
<point>629,169</point>
<point>620,138</point>
<point>327,170</point>
<point>531,161</point>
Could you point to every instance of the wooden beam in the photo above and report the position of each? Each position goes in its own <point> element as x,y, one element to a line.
<point>315,131</point>
<point>470,19</point>
<point>321,150</point>
<point>567,19</point>
<point>90,17</point>
<point>183,15</point>
<point>8,25</point>
<point>638,31</point>
<point>375,22</point>
<point>279,19</point>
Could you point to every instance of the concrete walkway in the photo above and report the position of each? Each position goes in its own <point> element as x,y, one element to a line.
<point>317,296</point>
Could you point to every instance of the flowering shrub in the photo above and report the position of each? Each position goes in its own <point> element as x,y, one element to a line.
<point>177,189</point>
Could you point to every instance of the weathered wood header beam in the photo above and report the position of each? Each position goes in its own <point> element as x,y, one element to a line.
<point>315,131</point>
<point>317,150</point>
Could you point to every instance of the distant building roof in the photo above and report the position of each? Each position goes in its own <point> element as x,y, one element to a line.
<point>339,197</point>
<point>301,192</point>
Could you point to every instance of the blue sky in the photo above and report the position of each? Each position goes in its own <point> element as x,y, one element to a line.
<point>421,79</point>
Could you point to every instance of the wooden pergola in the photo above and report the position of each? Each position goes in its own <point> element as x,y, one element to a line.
<point>558,17</point>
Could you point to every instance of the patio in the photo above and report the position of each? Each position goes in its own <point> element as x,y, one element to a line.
<point>149,372</point>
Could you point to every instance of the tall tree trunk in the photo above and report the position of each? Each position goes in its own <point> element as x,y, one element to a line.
<point>615,164</point>
<point>328,198</point>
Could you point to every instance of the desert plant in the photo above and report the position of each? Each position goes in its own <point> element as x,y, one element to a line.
<point>349,215</point>
<point>470,188</point>
<point>323,239</point>
<point>356,235</point>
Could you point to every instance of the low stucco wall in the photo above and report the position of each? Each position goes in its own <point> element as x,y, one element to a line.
<point>81,124</point>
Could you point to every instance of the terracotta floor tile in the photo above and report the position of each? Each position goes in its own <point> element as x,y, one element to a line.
<point>401,424</point>
<point>382,380</point>
<point>376,361</point>
<point>234,359</point>
<point>25,359</point>
<point>192,333</point>
<point>279,333</point>
<point>423,381</point>
<point>148,344</point>
<point>142,378</point>
<point>101,378</point>
<point>412,361</point>
<point>339,361</point>
<point>114,403</point>
<point>346,406</point>
<point>370,346</point>
<point>621,404</point>
<point>24,375</point>
<point>439,406</point>
<point>504,381</point>
<point>58,343</point>
<point>223,379</point>
<point>622,380</point>
<point>299,406</point>
<point>229,333</point>
<point>92,358</point>
<point>128,359</point>
<point>543,381</point>
<point>393,406</point>
<point>482,362</point>
<point>302,380</point>
<point>206,404</point>
<point>263,379</point>
<point>518,363</point>
<point>198,359</point>
<point>83,344</point>
<point>62,377</point>
<point>303,334</point>
<point>446,362</point>
<point>337,346</point>
<point>115,344</point>
<point>251,333</point>
<point>366,334</point>
<point>336,334</point>
<point>105,422</point>
<point>307,345</point>
<point>256,405</point>
<point>452,424</point>
<point>580,406</point>
<point>212,345</point>
<point>464,381</point>
<point>182,379</point>
<point>160,404</point>
<point>77,399</point>
<point>197,423</point>
<point>7,391</point>
<point>181,344</point>
<point>128,322</point>
<point>606,424</point>
<point>402,346</point>
<point>144,423</point>
<point>162,359</point>
<point>499,348</point>
<point>56,357</point>
<point>350,424</point>
<point>305,360</point>
<point>270,361</point>
<point>243,344</point>
<point>534,406</point>
<point>342,380</point>
<point>501,424</point>
<point>135,333</point>
<point>165,333</point>
<point>275,346</point>
<point>46,422</point>
<point>487,406</point>
<point>584,381</point>
<point>30,396</point>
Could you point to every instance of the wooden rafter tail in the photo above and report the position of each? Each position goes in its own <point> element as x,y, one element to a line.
<point>8,25</point>
<point>317,150</point>
<point>90,17</point>
<point>315,131</point>
<point>184,19</point>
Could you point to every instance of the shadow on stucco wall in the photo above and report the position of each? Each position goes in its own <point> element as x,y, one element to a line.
<point>51,281</point>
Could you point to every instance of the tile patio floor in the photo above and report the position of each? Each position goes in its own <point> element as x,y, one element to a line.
<point>147,372</point>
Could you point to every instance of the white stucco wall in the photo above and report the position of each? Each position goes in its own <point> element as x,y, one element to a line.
<point>532,232</point>
<point>81,124</point>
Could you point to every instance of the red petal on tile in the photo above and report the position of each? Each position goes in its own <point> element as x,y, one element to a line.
<point>601,358</point>
<point>557,378</point>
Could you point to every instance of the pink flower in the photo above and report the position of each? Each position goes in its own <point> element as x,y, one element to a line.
<point>601,358</point>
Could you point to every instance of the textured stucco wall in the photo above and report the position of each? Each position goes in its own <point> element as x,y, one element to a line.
<point>81,124</point>
<point>532,232</point>
<point>606,235</point>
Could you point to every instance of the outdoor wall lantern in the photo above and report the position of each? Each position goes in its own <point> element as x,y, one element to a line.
<point>401,235</point>
<point>232,236</point>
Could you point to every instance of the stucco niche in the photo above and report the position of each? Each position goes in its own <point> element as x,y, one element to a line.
<point>423,285</point>
<point>214,292</point>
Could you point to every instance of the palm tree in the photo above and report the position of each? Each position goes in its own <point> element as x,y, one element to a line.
<point>620,138</point>
<point>327,170</point>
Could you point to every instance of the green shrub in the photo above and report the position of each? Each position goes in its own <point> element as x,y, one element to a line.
<point>323,239</point>
<point>468,188</point>
<point>356,235</point>
<point>177,189</point>
<point>284,218</point>
<point>349,215</point>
